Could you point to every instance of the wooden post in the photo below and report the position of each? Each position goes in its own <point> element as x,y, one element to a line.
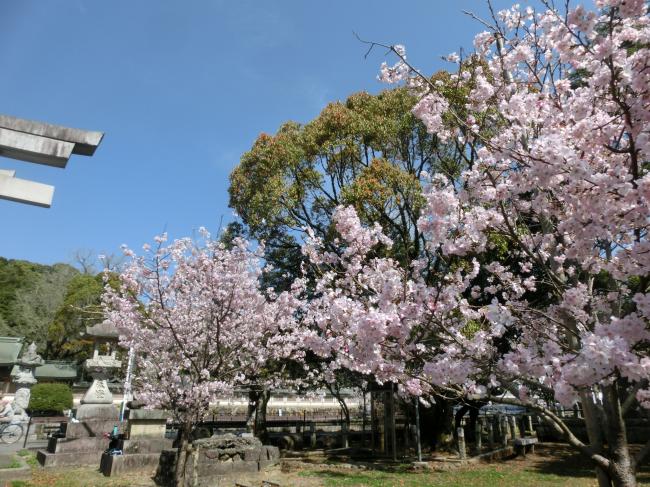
<point>461,443</point>
<point>417,428</point>
<point>513,427</point>
<point>363,421</point>
<point>478,431</point>
<point>312,434</point>
<point>522,426</point>
<point>490,432</point>
<point>372,423</point>
<point>529,419</point>
<point>29,423</point>
<point>393,432</point>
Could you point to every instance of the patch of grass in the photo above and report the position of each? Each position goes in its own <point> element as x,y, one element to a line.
<point>15,463</point>
<point>31,461</point>
<point>19,483</point>
<point>28,457</point>
<point>81,477</point>
<point>486,476</point>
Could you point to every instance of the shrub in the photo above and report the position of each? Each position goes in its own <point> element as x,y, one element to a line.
<point>50,398</point>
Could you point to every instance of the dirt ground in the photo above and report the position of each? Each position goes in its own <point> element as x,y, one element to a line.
<point>551,465</point>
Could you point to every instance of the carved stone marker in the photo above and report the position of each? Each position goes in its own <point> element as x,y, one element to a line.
<point>24,379</point>
<point>84,440</point>
<point>97,402</point>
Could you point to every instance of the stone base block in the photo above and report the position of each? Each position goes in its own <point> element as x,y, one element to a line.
<point>147,429</point>
<point>86,429</point>
<point>145,445</point>
<point>262,464</point>
<point>70,459</point>
<point>112,465</point>
<point>219,457</point>
<point>245,467</point>
<point>270,453</point>
<point>64,445</point>
<point>104,412</point>
<point>8,475</point>
<point>148,415</point>
<point>252,455</point>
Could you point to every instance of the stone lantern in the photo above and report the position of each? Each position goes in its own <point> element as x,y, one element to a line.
<point>24,378</point>
<point>97,403</point>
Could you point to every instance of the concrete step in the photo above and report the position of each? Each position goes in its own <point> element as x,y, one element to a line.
<point>65,445</point>
<point>69,459</point>
<point>117,464</point>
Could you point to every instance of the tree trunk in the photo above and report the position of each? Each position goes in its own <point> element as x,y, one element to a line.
<point>346,412</point>
<point>253,404</point>
<point>181,457</point>
<point>594,425</point>
<point>437,424</point>
<point>195,467</point>
<point>344,409</point>
<point>622,468</point>
<point>458,418</point>
<point>260,415</point>
<point>471,426</point>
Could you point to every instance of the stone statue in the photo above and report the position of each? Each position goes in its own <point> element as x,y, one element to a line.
<point>24,378</point>
<point>30,357</point>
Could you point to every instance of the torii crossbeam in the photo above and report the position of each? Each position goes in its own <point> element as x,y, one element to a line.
<point>40,143</point>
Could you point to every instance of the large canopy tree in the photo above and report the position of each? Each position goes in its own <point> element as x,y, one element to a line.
<point>562,310</point>
<point>370,152</point>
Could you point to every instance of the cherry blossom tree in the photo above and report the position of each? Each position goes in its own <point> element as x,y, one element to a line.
<point>542,244</point>
<point>198,324</point>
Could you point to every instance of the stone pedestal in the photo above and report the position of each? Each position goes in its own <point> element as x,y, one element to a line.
<point>97,402</point>
<point>147,423</point>
<point>85,441</point>
<point>83,444</point>
<point>146,440</point>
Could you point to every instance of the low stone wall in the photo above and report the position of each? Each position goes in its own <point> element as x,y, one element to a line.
<point>217,457</point>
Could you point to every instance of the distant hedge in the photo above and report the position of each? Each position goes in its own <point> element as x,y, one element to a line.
<point>52,398</point>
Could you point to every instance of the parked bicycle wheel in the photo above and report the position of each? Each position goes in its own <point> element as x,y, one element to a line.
<point>11,433</point>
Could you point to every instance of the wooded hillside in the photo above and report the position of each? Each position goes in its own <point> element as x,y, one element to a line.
<point>30,295</point>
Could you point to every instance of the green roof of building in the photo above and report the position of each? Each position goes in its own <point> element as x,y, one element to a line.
<point>54,370</point>
<point>9,350</point>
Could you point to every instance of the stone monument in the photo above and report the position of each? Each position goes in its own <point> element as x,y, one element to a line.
<point>84,440</point>
<point>24,379</point>
<point>144,442</point>
<point>218,457</point>
<point>97,403</point>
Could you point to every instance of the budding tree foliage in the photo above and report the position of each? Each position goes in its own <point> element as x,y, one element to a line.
<point>197,321</point>
<point>542,243</point>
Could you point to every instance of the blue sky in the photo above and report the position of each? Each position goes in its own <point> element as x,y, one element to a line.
<point>181,89</point>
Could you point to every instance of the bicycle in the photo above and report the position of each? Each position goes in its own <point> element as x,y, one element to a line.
<point>10,433</point>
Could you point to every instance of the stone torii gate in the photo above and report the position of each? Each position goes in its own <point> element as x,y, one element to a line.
<point>40,143</point>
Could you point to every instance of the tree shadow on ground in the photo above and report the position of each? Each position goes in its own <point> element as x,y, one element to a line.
<point>561,460</point>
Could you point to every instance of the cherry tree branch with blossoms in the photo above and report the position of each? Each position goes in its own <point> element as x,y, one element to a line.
<point>544,238</point>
